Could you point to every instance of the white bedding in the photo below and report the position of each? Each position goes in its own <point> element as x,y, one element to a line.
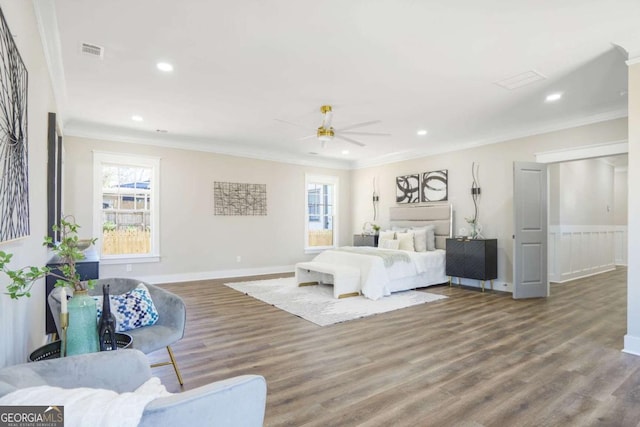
<point>376,281</point>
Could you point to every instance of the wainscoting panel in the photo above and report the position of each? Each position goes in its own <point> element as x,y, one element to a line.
<point>620,244</point>
<point>578,251</point>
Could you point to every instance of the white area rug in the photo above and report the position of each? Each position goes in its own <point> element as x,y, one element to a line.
<point>316,303</point>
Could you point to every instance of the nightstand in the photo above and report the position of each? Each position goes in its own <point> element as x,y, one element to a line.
<point>365,240</point>
<point>472,259</point>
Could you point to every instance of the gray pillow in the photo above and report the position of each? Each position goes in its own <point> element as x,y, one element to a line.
<point>430,237</point>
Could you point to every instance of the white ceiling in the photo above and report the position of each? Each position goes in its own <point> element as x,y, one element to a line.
<point>242,67</point>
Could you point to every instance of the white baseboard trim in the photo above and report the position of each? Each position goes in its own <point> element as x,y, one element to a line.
<point>631,345</point>
<point>219,274</point>
<point>595,273</point>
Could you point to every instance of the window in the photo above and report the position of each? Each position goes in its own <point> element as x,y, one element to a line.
<point>321,195</point>
<point>126,214</point>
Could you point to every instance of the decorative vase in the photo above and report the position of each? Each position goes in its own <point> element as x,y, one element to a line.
<point>107,323</point>
<point>82,333</point>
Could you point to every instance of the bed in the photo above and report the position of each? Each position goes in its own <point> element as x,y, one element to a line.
<point>383,271</point>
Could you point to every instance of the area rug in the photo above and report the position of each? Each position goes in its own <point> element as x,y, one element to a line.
<point>317,304</point>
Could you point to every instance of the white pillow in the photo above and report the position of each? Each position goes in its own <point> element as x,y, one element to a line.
<point>406,241</point>
<point>385,235</point>
<point>431,236</point>
<point>420,239</point>
<point>399,229</point>
<point>389,244</point>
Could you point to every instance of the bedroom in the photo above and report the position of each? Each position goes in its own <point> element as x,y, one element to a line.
<point>186,198</point>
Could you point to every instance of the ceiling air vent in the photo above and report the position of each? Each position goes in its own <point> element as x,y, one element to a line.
<point>521,79</point>
<point>89,49</point>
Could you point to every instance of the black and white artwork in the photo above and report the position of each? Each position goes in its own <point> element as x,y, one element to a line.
<point>14,170</point>
<point>434,186</point>
<point>408,188</point>
<point>235,198</point>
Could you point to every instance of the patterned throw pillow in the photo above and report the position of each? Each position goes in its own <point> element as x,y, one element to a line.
<point>132,310</point>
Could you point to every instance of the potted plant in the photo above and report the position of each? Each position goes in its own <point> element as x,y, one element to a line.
<point>69,251</point>
<point>81,320</point>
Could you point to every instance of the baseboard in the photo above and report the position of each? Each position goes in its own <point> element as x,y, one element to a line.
<point>595,273</point>
<point>631,345</point>
<point>219,274</point>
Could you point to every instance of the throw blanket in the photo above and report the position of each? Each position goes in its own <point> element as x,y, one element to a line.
<point>388,257</point>
<point>88,407</point>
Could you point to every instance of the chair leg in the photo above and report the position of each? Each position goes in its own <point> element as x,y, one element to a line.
<point>175,365</point>
<point>173,362</point>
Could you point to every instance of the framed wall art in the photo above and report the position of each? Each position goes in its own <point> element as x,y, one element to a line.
<point>408,188</point>
<point>239,199</point>
<point>14,162</point>
<point>434,186</point>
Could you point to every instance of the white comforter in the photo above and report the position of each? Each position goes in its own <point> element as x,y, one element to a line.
<point>374,277</point>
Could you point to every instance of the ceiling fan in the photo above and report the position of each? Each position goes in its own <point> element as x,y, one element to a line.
<point>326,132</point>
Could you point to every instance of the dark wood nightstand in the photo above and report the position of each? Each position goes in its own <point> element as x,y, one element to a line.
<point>472,259</point>
<point>365,240</point>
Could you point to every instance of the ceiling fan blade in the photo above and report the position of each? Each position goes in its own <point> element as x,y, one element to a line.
<point>290,123</point>
<point>353,141</point>
<point>366,133</point>
<point>307,137</point>
<point>358,125</point>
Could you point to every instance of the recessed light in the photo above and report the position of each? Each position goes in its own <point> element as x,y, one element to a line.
<point>164,66</point>
<point>554,97</point>
<point>162,130</point>
<point>345,152</point>
<point>422,132</point>
<point>313,153</point>
<point>136,118</point>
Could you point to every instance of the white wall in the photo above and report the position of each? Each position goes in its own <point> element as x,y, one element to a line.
<point>582,235</point>
<point>632,338</point>
<point>194,243</point>
<point>495,179</point>
<point>22,322</point>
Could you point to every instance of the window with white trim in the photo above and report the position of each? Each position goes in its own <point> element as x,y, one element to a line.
<point>321,212</point>
<point>126,207</point>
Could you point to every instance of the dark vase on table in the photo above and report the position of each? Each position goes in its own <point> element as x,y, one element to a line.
<point>107,323</point>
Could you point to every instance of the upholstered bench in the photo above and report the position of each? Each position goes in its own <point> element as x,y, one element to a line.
<point>345,280</point>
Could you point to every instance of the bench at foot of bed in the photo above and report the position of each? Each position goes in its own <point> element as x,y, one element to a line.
<point>345,280</point>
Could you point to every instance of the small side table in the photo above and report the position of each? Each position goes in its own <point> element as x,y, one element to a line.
<point>365,240</point>
<point>52,350</point>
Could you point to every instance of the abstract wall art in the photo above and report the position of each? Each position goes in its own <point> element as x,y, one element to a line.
<point>408,188</point>
<point>434,186</point>
<point>239,199</point>
<point>14,165</point>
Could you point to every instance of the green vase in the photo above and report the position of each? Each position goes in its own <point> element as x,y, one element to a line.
<point>82,333</point>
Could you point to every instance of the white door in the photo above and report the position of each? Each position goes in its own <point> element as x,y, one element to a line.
<point>530,277</point>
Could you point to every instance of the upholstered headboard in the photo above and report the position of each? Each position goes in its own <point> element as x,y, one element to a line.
<point>416,216</point>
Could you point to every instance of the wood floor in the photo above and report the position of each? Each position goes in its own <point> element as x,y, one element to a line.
<point>471,360</point>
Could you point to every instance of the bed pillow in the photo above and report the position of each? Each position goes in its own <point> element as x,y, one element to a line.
<point>431,236</point>
<point>389,244</point>
<point>420,239</point>
<point>399,229</point>
<point>406,241</point>
<point>385,235</point>
<point>133,309</point>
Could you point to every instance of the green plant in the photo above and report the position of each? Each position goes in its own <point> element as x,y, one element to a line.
<point>68,252</point>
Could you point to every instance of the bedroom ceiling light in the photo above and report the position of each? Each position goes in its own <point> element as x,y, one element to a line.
<point>164,66</point>
<point>345,152</point>
<point>422,132</point>
<point>554,97</point>
<point>136,118</point>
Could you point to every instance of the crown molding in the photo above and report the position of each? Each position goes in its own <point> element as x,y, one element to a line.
<point>630,49</point>
<point>125,135</point>
<point>612,148</point>
<point>410,155</point>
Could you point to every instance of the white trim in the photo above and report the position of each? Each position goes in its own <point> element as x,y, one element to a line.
<point>612,148</point>
<point>47,21</point>
<point>576,251</point>
<point>101,157</point>
<point>631,345</point>
<point>218,274</point>
<point>106,133</point>
<point>454,146</point>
